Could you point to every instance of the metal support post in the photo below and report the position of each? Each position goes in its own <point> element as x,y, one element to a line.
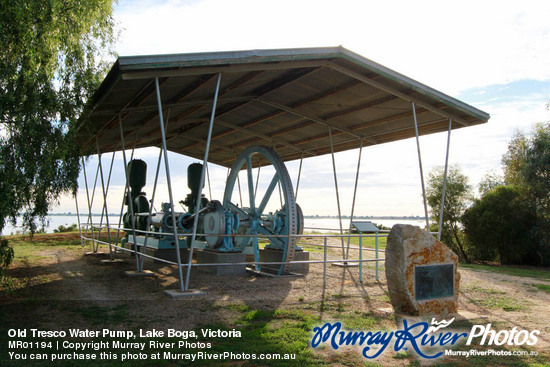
<point>104,190</point>
<point>325,263</point>
<point>444,181</point>
<point>376,246</point>
<point>90,204</point>
<point>420,165</point>
<point>123,200</point>
<point>208,180</point>
<point>169,182</point>
<point>106,193</point>
<point>298,180</point>
<point>130,203</point>
<point>354,195</point>
<point>337,193</point>
<point>360,257</point>
<point>78,219</point>
<point>149,218</point>
<point>205,160</point>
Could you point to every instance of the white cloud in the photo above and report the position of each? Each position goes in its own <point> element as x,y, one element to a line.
<point>452,47</point>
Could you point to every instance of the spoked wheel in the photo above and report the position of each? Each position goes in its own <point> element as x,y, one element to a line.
<point>282,222</point>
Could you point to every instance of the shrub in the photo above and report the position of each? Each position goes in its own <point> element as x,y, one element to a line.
<point>62,228</point>
<point>6,255</point>
<point>499,226</point>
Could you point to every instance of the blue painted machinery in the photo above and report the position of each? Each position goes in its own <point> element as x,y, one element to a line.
<point>223,226</point>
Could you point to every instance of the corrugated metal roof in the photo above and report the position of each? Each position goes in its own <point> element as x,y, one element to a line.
<point>286,99</point>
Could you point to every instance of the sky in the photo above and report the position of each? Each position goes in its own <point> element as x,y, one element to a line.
<point>494,55</point>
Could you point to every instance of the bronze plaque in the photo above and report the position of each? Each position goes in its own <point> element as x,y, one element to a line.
<point>433,281</point>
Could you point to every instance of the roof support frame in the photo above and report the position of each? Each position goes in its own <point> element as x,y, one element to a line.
<point>354,195</point>
<point>127,190</point>
<point>397,93</point>
<point>442,207</point>
<point>118,115</point>
<point>205,163</point>
<point>309,117</point>
<point>153,195</point>
<point>303,123</point>
<point>169,183</point>
<point>420,167</point>
<point>259,92</point>
<point>258,135</point>
<point>337,192</point>
<point>105,190</point>
<point>89,224</point>
<point>280,112</point>
<point>128,74</point>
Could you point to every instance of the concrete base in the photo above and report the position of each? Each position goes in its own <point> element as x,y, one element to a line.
<point>90,253</point>
<point>176,293</point>
<point>139,274</point>
<point>213,257</point>
<point>113,261</point>
<point>273,274</point>
<point>270,255</point>
<point>169,255</point>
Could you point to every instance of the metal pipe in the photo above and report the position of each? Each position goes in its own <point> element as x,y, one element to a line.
<point>169,181</point>
<point>354,192</point>
<point>89,220</point>
<point>150,214</point>
<point>337,191</point>
<point>78,219</point>
<point>298,180</point>
<point>444,181</point>
<point>208,179</point>
<point>376,249</point>
<point>106,193</point>
<point>253,262</point>
<point>100,170</point>
<point>103,189</point>
<point>420,165</point>
<point>205,160</point>
<point>128,196</point>
<point>360,258</point>
<point>123,201</point>
<point>94,249</point>
<point>325,263</point>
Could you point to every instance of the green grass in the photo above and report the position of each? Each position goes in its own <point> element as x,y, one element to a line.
<point>542,273</point>
<point>494,302</point>
<point>493,298</point>
<point>543,287</point>
<point>97,315</point>
<point>369,242</point>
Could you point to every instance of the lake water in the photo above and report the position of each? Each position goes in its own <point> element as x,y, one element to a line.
<point>311,224</point>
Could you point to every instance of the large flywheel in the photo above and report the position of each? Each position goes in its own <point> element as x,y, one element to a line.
<point>266,206</point>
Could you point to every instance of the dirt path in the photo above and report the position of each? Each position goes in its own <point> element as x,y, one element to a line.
<point>82,285</point>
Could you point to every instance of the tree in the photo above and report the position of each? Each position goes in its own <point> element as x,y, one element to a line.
<point>50,65</point>
<point>527,164</point>
<point>498,227</point>
<point>457,198</point>
<point>536,169</point>
<point>490,181</point>
<point>514,158</point>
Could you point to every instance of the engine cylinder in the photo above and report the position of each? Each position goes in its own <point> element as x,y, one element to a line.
<point>137,175</point>
<point>194,172</point>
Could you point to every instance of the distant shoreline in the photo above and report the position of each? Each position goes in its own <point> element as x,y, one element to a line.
<point>411,217</point>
